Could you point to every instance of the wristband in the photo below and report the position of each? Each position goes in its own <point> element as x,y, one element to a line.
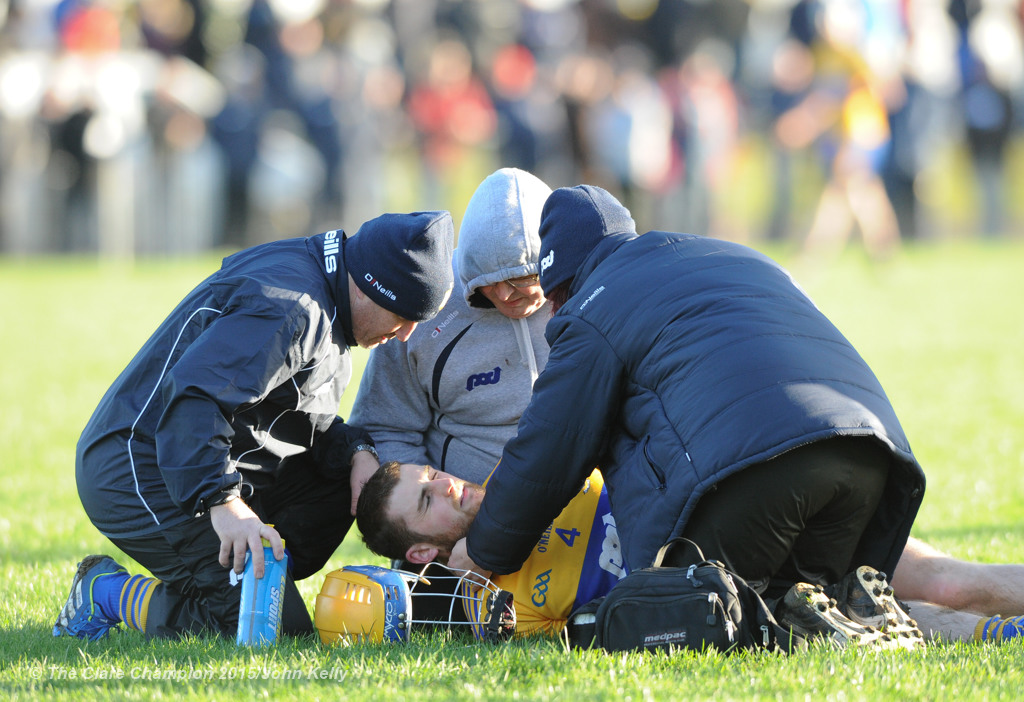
<point>218,498</point>
<point>366,447</point>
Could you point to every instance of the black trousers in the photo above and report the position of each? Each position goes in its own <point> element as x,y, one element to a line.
<point>310,512</point>
<point>796,518</point>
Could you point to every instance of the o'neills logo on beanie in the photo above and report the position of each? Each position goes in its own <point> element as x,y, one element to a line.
<point>403,262</point>
<point>378,287</point>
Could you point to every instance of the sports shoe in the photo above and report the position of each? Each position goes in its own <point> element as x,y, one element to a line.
<point>866,597</point>
<point>82,615</point>
<point>810,613</point>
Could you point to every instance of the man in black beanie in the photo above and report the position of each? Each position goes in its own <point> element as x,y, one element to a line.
<point>720,405</point>
<point>226,422</point>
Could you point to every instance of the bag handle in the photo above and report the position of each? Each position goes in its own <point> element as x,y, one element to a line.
<point>774,636</point>
<point>673,544</point>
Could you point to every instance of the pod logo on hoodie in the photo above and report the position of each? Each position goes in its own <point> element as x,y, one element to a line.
<point>488,378</point>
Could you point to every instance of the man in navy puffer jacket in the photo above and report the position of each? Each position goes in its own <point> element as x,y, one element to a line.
<point>719,402</point>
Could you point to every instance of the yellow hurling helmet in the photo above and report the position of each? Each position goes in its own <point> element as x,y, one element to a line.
<point>363,603</point>
<point>374,604</point>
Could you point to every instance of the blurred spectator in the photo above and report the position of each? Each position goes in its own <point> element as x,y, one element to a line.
<point>176,125</point>
<point>174,28</point>
<point>675,29</point>
<point>706,114</point>
<point>846,114</point>
<point>991,65</point>
<point>453,116</point>
<point>923,123</point>
<point>236,128</point>
<point>630,131</point>
<point>584,80</point>
<point>184,190</point>
<point>792,76</point>
<point>89,37</point>
<point>376,130</point>
<point>95,108</point>
<point>513,77</point>
<point>279,129</point>
<point>533,125</point>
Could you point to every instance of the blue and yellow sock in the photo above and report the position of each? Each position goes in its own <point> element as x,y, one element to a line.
<point>106,590</point>
<point>133,603</point>
<point>999,628</point>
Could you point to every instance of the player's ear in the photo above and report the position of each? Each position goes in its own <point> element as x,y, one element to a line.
<point>421,553</point>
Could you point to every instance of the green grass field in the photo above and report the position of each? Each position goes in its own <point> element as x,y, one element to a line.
<point>942,326</point>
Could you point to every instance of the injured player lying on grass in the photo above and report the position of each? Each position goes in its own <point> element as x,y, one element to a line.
<point>416,513</point>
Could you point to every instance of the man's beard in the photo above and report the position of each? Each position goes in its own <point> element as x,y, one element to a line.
<point>446,542</point>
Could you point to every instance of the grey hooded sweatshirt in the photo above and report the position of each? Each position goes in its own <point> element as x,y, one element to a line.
<point>451,396</point>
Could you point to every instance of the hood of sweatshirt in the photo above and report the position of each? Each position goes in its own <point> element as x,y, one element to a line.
<point>499,237</point>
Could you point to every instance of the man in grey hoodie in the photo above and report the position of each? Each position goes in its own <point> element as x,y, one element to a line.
<point>451,395</point>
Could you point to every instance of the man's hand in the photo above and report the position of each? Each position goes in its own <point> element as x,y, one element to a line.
<point>364,464</point>
<point>239,529</point>
<point>459,559</point>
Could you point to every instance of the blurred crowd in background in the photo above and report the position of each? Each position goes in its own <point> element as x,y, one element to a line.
<point>175,126</point>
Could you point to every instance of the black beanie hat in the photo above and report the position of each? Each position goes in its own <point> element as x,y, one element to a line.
<point>403,262</point>
<point>573,222</point>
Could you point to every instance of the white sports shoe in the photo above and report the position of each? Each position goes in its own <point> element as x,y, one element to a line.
<point>866,597</point>
<point>809,612</point>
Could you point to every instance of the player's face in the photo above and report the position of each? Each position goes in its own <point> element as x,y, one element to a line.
<point>435,504</point>
<point>517,298</point>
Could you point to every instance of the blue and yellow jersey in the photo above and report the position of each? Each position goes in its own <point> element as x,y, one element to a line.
<point>576,560</point>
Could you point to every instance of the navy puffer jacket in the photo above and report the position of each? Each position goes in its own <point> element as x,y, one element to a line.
<point>678,361</point>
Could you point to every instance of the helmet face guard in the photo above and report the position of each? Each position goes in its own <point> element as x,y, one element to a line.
<point>488,610</point>
<point>375,604</point>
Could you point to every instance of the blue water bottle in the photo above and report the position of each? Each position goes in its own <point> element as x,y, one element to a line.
<point>259,615</point>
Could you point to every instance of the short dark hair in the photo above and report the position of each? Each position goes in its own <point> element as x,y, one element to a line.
<point>381,534</point>
<point>559,295</point>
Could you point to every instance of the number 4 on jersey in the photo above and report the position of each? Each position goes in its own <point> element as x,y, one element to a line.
<point>567,535</point>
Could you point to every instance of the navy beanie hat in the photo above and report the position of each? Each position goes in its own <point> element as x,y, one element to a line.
<point>573,222</point>
<point>403,262</point>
